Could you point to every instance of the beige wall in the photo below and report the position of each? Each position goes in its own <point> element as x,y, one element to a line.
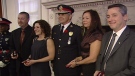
<point>80,6</point>
<point>11,11</point>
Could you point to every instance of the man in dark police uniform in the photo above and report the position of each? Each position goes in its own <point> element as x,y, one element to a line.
<point>4,46</point>
<point>67,38</point>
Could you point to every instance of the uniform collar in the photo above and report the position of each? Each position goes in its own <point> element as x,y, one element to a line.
<point>66,25</point>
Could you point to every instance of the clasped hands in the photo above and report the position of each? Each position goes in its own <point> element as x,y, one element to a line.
<point>98,73</point>
<point>28,62</point>
<point>73,63</point>
<point>14,55</point>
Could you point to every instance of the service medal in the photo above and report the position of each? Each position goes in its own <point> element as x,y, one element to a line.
<point>6,39</point>
<point>69,42</point>
<point>70,33</point>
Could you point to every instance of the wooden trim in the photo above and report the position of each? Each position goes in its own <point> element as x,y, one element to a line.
<point>0,9</point>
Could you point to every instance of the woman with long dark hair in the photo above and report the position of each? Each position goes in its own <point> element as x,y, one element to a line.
<point>90,44</point>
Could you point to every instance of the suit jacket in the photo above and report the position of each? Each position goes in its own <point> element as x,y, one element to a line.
<point>67,47</point>
<point>122,58</point>
<point>24,49</point>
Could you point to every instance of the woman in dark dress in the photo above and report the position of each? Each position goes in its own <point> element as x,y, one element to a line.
<point>90,44</point>
<point>42,50</point>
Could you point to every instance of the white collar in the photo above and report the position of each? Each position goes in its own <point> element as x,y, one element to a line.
<point>120,31</point>
<point>66,25</point>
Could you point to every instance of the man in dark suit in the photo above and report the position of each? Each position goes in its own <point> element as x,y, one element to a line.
<point>120,59</point>
<point>67,38</point>
<point>4,47</point>
<point>21,41</point>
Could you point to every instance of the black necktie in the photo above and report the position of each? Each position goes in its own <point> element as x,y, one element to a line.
<point>61,30</point>
<point>108,51</point>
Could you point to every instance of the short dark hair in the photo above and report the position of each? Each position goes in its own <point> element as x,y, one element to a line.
<point>45,26</point>
<point>123,8</point>
<point>27,14</point>
<point>95,21</point>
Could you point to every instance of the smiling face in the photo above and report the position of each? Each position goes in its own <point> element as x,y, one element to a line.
<point>64,18</point>
<point>115,19</point>
<point>86,18</point>
<point>37,29</point>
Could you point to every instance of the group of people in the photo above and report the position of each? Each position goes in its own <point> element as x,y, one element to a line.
<point>72,50</point>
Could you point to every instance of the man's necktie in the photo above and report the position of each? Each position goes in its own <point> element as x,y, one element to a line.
<point>22,36</point>
<point>61,30</point>
<point>108,52</point>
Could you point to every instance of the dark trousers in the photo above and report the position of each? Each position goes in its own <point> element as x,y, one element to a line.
<point>4,71</point>
<point>12,68</point>
<point>24,71</point>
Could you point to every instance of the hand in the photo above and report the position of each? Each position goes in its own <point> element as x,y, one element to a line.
<point>14,57</point>
<point>2,64</point>
<point>26,62</point>
<point>97,73</point>
<point>100,74</point>
<point>78,59</point>
<point>71,64</point>
<point>29,62</point>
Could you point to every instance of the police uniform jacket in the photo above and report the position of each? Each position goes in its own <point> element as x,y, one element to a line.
<point>4,47</point>
<point>67,47</point>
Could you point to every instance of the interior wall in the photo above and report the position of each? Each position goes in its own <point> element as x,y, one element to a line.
<point>48,11</point>
<point>80,6</point>
<point>11,13</point>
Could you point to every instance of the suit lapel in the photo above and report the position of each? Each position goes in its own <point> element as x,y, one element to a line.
<point>18,37</point>
<point>121,39</point>
<point>27,33</point>
<point>58,31</point>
